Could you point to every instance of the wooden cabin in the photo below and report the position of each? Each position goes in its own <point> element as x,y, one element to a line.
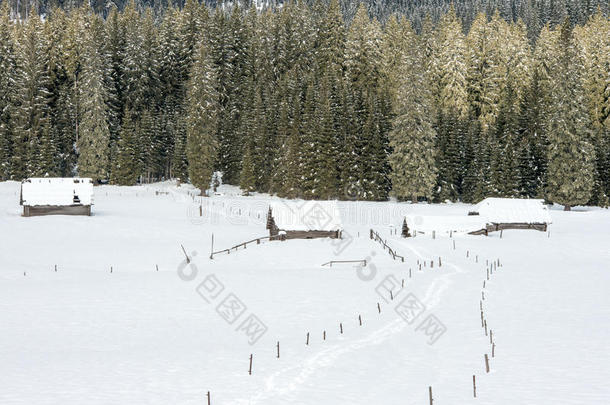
<point>512,213</point>
<point>303,220</point>
<point>56,196</point>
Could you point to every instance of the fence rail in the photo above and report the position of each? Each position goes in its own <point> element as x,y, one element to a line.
<point>344,261</point>
<point>236,247</point>
<point>375,236</point>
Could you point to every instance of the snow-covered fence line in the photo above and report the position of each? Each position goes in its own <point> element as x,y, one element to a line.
<point>243,244</point>
<point>363,262</point>
<point>375,236</point>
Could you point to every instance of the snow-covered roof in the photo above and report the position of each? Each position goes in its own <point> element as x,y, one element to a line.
<point>445,224</point>
<point>301,215</point>
<point>513,210</point>
<point>56,191</point>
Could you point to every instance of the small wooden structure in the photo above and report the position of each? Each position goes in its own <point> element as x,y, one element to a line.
<point>511,213</point>
<point>414,225</point>
<point>56,196</point>
<point>303,220</point>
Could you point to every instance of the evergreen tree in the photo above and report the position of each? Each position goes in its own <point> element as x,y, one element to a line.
<point>31,119</point>
<point>247,178</point>
<point>412,139</point>
<point>7,93</point>
<point>126,167</point>
<point>94,142</point>
<point>201,121</point>
<point>571,155</point>
<point>533,143</point>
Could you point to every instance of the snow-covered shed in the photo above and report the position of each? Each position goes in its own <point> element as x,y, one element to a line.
<point>513,213</point>
<point>441,225</point>
<point>56,196</point>
<point>303,220</point>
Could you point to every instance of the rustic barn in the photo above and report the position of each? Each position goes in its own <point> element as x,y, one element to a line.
<point>56,196</point>
<point>512,213</point>
<point>303,220</point>
<point>440,225</point>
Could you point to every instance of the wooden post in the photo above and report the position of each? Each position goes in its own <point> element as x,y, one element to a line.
<point>324,335</point>
<point>483,295</point>
<point>378,308</point>
<point>250,369</point>
<point>493,350</point>
<point>488,274</point>
<point>481,305</point>
<point>212,249</point>
<point>157,266</point>
<point>360,320</point>
<point>485,324</point>
<point>467,253</point>
<point>200,210</point>
<point>486,363</point>
<point>403,283</point>
<point>430,395</point>
<point>482,320</point>
<point>111,269</point>
<point>476,259</point>
<point>491,337</point>
<point>474,386</point>
<point>433,234</point>
<point>431,264</point>
<point>278,349</point>
<point>454,244</point>
<point>209,399</point>
<point>341,328</point>
<point>409,273</point>
<point>439,262</point>
<point>483,283</point>
<point>391,296</point>
<point>501,233</point>
<point>307,341</point>
<point>55,268</point>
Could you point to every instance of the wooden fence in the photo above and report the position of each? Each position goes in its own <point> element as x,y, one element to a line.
<point>375,236</point>
<point>363,262</point>
<point>236,247</point>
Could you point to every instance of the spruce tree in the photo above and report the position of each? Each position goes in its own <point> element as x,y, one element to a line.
<point>126,166</point>
<point>570,155</point>
<point>201,121</point>
<point>31,119</point>
<point>413,137</point>
<point>94,141</point>
<point>7,92</point>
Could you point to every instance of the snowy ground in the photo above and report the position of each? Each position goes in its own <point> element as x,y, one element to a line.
<point>136,335</point>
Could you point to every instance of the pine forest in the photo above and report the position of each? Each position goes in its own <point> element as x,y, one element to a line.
<point>423,100</point>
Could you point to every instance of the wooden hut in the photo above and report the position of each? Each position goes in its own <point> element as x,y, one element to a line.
<point>56,196</point>
<point>512,213</point>
<point>303,220</point>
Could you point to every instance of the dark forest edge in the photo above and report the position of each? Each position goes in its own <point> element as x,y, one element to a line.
<point>445,104</point>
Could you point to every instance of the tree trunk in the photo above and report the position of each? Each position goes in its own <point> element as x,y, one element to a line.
<point>567,208</point>
<point>414,199</point>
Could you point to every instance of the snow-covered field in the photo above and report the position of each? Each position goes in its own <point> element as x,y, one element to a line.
<point>125,320</point>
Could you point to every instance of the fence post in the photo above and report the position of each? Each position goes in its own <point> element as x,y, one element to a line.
<point>430,395</point>
<point>474,385</point>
